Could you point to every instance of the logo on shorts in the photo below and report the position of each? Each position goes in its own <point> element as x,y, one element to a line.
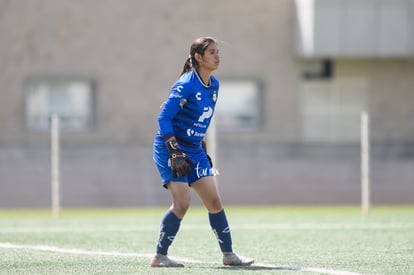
<point>201,172</point>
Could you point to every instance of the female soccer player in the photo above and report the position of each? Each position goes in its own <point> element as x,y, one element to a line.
<point>180,155</point>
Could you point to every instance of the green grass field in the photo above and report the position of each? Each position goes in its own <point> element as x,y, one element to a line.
<point>282,240</point>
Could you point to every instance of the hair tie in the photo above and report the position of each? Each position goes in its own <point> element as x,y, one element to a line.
<point>191,60</point>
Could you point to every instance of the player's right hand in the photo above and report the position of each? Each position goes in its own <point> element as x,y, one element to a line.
<point>180,162</point>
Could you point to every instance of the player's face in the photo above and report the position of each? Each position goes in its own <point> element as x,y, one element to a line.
<point>211,58</point>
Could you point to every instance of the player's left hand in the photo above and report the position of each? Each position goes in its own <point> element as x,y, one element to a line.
<point>204,146</point>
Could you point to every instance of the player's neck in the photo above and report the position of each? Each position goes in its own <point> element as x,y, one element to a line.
<point>204,76</point>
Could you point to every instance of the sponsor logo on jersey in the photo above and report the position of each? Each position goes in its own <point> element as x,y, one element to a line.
<point>176,92</point>
<point>200,125</point>
<point>192,132</point>
<point>175,95</point>
<point>208,112</point>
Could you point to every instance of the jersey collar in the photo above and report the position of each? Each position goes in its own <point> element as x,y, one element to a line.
<point>201,81</point>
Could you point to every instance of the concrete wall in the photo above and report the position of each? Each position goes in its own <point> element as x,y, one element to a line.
<point>353,28</point>
<point>126,176</point>
<point>134,51</point>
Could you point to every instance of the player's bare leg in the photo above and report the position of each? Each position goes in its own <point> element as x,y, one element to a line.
<point>181,197</point>
<point>206,189</point>
<point>170,224</point>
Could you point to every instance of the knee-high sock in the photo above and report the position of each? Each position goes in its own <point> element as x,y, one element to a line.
<point>221,229</point>
<point>170,224</point>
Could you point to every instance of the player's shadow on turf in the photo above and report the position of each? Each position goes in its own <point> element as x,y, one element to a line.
<point>260,267</point>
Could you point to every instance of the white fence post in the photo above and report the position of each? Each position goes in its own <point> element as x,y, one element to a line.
<point>365,164</point>
<point>55,165</point>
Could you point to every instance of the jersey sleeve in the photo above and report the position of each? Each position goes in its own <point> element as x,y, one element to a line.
<point>178,96</point>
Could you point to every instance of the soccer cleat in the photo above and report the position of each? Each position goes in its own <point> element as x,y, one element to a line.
<point>231,258</point>
<point>160,260</point>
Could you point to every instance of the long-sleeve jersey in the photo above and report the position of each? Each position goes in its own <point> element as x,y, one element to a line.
<point>188,110</point>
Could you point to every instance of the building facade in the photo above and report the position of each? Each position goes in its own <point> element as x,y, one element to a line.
<point>294,82</point>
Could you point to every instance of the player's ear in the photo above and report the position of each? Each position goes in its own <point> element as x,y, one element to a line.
<point>198,57</point>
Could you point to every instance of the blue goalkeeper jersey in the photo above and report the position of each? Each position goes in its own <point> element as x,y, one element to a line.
<point>188,110</point>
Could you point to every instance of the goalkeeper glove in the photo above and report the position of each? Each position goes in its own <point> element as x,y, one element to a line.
<point>180,163</point>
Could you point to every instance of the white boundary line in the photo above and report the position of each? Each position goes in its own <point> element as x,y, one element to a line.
<point>132,228</point>
<point>71,251</point>
<point>75,251</point>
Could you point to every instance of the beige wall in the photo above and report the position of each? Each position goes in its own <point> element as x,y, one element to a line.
<point>134,50</point>
<point>381,87</point>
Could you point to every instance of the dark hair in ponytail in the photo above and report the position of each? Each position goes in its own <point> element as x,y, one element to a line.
<point>198,46</point>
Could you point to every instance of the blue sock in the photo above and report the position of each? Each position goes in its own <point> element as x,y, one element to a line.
<point>221,229</point>
<point>170,224</point>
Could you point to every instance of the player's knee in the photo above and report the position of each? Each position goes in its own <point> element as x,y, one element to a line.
<point>181,207</point>
<point>214,205</point>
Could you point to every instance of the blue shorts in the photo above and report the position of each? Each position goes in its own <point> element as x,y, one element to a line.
<point>200,169</point>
